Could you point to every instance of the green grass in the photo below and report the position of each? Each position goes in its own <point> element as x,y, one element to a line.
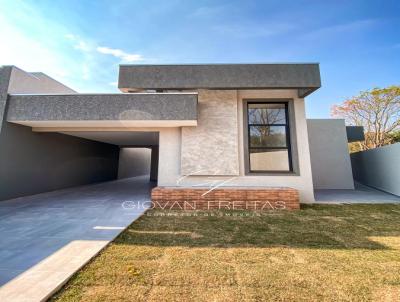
<point>321,253</point>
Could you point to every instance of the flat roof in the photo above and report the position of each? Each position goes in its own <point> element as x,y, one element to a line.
<point>103,110</point>
<point>302,76</point>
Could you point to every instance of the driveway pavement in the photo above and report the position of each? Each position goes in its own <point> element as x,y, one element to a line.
<point>45,238</point>
<point>361,194</point>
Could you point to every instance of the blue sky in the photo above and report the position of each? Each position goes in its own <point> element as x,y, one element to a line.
<point>81,43</point>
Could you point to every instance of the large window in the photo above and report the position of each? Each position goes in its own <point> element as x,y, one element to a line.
<point>268,137</point>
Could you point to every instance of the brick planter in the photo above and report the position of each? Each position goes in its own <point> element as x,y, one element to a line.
<point>240,198</point>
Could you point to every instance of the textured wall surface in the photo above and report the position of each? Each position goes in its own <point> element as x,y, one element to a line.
<point>378,168</point>
<point>102,107</point>
<point>219,76</point>
<point>211,148</point>
<point>330,159</point>
<point>134,162</point>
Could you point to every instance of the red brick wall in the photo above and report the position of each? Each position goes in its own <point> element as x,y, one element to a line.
<point>225,198</point>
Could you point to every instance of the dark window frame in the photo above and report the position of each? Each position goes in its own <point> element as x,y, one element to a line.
<point>287,133</point>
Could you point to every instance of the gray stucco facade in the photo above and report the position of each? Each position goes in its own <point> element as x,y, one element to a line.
<point>103,107</point>
<point>304,77</point>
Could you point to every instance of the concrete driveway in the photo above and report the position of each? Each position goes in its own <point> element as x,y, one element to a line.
<point>45,238</point>
<point>361,194</point>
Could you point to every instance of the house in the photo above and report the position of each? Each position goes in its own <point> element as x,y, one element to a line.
<point>239,129</point>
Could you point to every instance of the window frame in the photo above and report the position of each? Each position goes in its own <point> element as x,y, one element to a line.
<point>288,147</point>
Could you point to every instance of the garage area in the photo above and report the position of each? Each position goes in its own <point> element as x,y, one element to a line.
<point>35,162</point>
<point>137,154</point>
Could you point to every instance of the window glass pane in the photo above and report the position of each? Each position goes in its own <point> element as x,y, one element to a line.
<point>268,136</point>
<point>269,160</point>
<point>266,113</point>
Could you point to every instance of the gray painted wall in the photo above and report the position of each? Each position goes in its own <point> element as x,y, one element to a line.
<point>35,82</point>
<point>330,159</point>
<point>32,163</point>
<point>378,168</point>
<point>355,133</point>
<point>134,162</point>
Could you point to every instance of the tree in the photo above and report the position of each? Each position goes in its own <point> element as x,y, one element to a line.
<point>377,110</point>
<point>395,136</point>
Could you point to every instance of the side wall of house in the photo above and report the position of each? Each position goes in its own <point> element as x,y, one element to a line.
<point>379,168</point>
<point>217,146</point>
<point>330,159</point>
<point>33,163</point>
<point>36,82</point>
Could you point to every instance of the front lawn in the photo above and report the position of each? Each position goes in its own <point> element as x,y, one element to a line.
<point>320,253</point>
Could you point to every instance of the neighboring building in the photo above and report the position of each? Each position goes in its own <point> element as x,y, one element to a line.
<point>241,126</point>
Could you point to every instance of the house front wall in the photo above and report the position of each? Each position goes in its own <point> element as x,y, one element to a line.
<point>213,153</point>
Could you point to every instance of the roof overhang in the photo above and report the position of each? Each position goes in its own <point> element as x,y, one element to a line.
<point>103,110</point>
<point>304,77</point>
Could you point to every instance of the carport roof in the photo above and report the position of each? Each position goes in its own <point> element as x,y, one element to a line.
<point>103,110</point>
<point>302,76</point>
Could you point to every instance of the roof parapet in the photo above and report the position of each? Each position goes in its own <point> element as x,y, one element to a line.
<point>304,77</point>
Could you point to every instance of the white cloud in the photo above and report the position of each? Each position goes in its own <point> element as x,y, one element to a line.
<point>90,52</point>
<point>85,46</point>
<point>114,84</point>
<point>118,53</point>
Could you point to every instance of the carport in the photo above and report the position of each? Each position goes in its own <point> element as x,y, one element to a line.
<point>57,141</point>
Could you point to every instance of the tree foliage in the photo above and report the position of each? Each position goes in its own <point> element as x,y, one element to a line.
<point>377,110</point>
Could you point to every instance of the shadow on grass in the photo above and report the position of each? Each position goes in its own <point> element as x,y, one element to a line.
<point>316,226</point>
